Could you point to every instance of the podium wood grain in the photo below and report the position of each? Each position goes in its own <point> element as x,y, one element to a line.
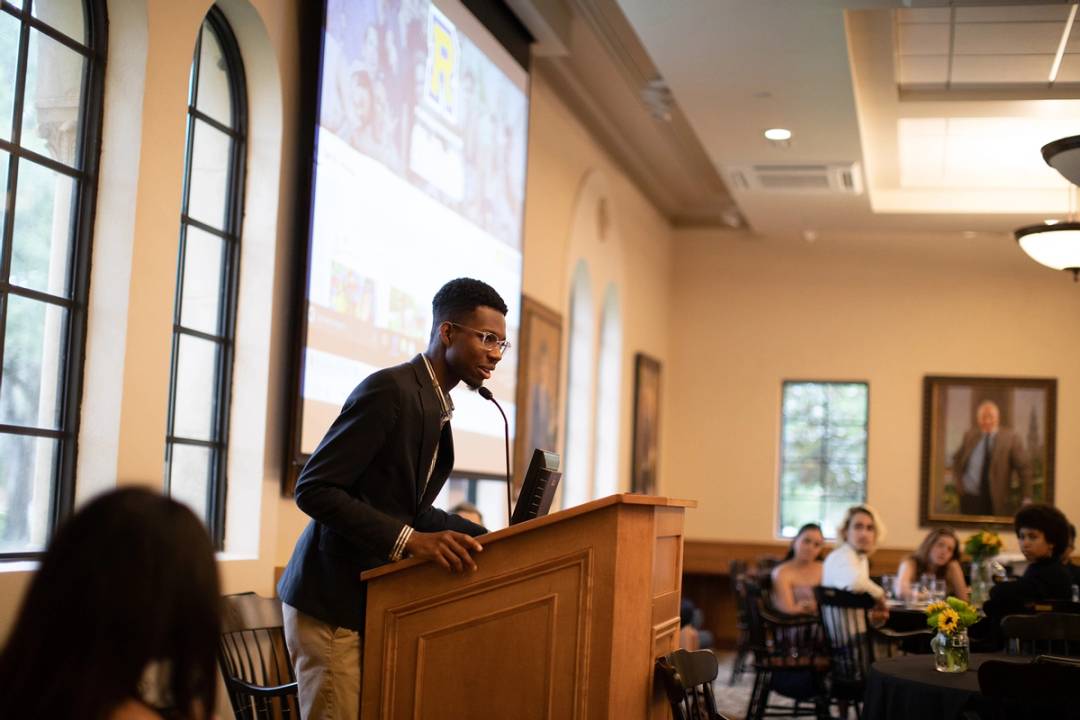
<point>563,619</point>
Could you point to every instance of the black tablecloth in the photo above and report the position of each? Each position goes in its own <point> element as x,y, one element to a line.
<point>909,687</point>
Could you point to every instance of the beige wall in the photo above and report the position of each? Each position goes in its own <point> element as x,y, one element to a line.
<point>747,313</point>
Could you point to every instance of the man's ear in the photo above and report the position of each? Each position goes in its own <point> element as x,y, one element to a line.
<point>444,333</point>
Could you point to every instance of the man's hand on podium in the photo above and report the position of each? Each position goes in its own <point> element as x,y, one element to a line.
<point>448,548</point>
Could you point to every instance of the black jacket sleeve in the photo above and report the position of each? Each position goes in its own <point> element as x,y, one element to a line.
<point>348,448</point>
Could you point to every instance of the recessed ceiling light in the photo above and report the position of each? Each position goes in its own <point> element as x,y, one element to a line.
<point>1051,221</point>
<point>779,134</point>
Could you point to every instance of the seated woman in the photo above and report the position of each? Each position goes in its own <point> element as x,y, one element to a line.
<point>1043,533</point>
<point>794,580</point>
<point>938,555</point>
<point>121,620</point>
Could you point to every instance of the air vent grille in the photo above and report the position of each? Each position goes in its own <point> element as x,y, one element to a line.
<point>820,178</point>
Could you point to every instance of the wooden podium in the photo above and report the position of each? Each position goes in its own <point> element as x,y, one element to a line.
<point>563,619</point>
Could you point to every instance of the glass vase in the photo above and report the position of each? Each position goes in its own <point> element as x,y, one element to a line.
<point>951,652</point>
<point>982,579</point>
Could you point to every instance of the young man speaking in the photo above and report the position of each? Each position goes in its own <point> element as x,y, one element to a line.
<point>368,488</point>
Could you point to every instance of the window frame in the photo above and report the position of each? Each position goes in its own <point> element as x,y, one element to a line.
<point>779,526</point>
<point>87,155</point>
<point>218,444</point>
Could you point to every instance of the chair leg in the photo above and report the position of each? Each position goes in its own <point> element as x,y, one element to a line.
<point>754,710</point>
<point>738,667</point>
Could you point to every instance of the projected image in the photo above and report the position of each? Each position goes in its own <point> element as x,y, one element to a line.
<point>419,178</point>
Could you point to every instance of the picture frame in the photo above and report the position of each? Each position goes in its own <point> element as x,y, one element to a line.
<point>537,417</point>
<point>974,478</point>
<point>645,455</point>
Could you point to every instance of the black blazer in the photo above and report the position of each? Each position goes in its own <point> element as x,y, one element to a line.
<point>1046,579</point>
<point>362,485</point>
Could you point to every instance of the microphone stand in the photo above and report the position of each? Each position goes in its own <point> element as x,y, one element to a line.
<point>486,394</point>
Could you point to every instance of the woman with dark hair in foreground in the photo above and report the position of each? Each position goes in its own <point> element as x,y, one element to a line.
<point>121,620</point>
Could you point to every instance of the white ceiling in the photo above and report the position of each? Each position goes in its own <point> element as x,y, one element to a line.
<point>965,160</point>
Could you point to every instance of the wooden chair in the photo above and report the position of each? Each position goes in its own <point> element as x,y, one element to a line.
<point>789,660</point>
<point>1047,633</point>
<point>853,642</point>
<point>687,678</point>
<point>737,571</point>
<point>1044,688</point>
<point>254,660</point>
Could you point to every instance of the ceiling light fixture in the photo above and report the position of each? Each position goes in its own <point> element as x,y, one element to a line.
<point>1064,156</point>
<point>778,134</point>
<point>1055,246</point>
<point>1061,45</point>
<point>1051,221</point>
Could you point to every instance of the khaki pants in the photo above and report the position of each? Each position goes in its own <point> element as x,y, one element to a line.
<point>327,663</point>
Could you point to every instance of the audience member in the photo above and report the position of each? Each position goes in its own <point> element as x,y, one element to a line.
<point>467,510</point>
<point>848,566</point>
<point>122,619</point>
<point>1043,533</point>
<point>794,580</point>
<point>938,555</point>
<point>1066,558</point>
<point>689,637</point>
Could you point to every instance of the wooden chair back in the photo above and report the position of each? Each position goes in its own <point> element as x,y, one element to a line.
<point>687,678</point>
<point>1047,633</point>
<point>254,659</point>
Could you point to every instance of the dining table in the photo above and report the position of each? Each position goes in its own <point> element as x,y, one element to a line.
<point>909,686</point>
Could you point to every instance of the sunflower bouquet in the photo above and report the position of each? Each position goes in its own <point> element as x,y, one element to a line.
<point>951,618</point>
<point>983,545</point>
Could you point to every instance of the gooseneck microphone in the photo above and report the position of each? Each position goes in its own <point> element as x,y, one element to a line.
<point>486,394</point>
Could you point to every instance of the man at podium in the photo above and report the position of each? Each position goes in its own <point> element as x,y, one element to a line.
<point>369,488</point>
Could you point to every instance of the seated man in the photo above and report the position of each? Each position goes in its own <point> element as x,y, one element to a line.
<point>1043,533</point>
<point>848,566</point>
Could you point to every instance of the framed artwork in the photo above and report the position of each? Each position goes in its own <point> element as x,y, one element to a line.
<point>987,447</point>
<point>537,421</point>
<point>644,465</point>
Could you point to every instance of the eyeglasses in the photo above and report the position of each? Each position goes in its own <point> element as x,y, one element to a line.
<point>489,340</point>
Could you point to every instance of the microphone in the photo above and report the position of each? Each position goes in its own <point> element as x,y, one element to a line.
<point>486,394</point>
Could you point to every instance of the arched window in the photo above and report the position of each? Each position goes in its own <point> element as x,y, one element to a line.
<point>52,57</point>
<point>206,278</point>
<point>609,379</point>
<point>579,398</point>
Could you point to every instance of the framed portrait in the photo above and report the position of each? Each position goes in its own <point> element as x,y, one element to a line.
<point>987,447</point>
<point>537,420</point>
<point>644,464</point>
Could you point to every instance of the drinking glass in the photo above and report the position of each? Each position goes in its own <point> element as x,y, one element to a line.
<point>888,584</point>
<point>937,589</point>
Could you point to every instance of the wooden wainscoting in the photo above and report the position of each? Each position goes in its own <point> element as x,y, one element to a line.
<point>706,564</point>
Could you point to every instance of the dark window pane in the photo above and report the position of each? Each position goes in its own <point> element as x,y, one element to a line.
<point>210,154</point>
<point>189,476</point>
<point>9,58</point>
<point>196,375</point>
<point>63,15</point>
<point>214,96</point>
<point>42,240</point>
<point>53,99</point>
<point>202,287</point>
<point>27,469</point>
<point>33,362</point>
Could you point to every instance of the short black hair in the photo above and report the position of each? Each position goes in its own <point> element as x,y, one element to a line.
<point>457,298</point>
<point>1048,520</point>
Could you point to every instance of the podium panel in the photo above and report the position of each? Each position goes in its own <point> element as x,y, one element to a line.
<point>563,619</point>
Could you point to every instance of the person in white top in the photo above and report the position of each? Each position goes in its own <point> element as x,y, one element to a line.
<point>848,566</point>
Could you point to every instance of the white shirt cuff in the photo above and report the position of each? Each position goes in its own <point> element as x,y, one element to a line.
<point>399,547</point>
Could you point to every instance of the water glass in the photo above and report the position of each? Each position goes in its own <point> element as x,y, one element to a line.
<point>936,587</point>
<point>888,584</point>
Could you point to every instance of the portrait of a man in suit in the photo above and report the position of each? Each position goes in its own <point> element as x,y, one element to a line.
<point>988,448</point>
<point>985,463</point>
